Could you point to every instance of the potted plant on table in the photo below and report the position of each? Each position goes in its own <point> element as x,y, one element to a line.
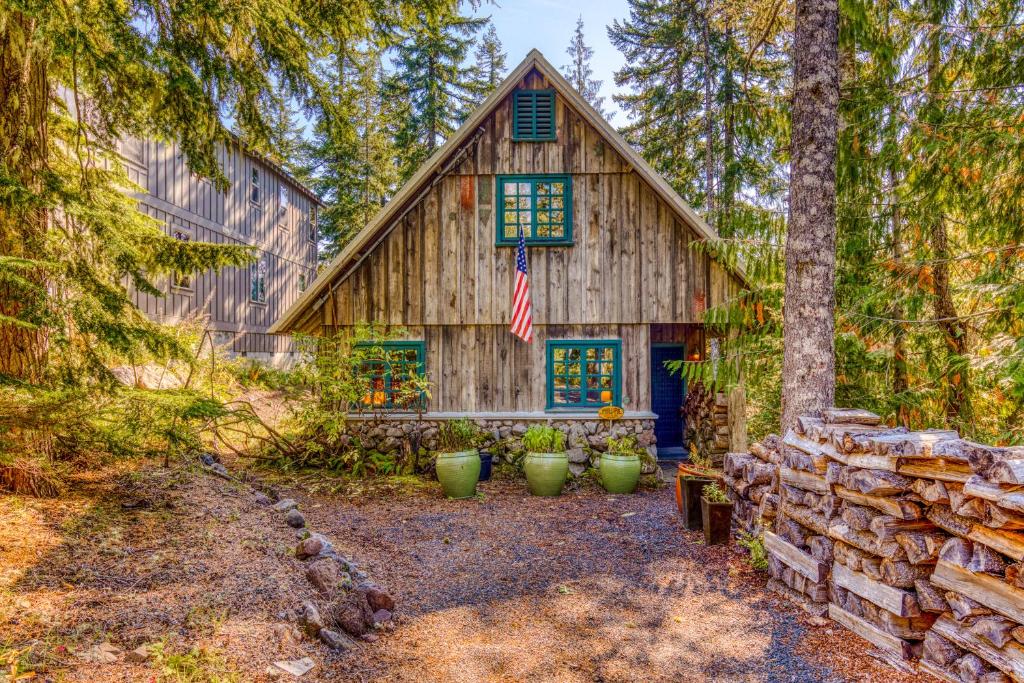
<point>458,461</point>
<point>620,465</point>
<point>546,463</point>
<point>717,513</point>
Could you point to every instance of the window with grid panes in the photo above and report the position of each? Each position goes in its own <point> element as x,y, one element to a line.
<point>583,373</point>
<point>539,204</point>
<point>387,366</point>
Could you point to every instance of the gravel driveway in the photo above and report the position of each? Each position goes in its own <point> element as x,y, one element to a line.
<point>584,587</point>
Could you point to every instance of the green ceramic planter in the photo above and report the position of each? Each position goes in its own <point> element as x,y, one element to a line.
<point>619,473</point>
<point>546,472</point>
<point>458,473</point>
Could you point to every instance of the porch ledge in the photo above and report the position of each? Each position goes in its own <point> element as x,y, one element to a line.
<point>531,416</point>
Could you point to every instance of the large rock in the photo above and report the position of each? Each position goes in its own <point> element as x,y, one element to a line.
<point>327,577</point>
<point>353,613</point>
<point>285,505</point>
<point>294,519</point>
<point>310,619</point>
<point>575,469</point>
<point>577,455</point>
<point>377,598</point>
<point>338,642</point>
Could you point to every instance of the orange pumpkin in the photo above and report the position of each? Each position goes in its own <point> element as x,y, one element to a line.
<point>379,398</point>
<point>367,399</point>
<point>606,396</point>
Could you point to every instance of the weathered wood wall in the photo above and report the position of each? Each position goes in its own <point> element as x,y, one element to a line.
<point>182,202</point>
<point>633,260</point>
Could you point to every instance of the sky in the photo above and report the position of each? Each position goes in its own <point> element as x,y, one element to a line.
<point>548,26</point>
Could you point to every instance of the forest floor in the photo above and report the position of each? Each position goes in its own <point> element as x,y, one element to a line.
<point>505,587</point>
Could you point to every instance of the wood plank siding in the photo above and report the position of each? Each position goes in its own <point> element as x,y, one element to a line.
<point>194,207</point>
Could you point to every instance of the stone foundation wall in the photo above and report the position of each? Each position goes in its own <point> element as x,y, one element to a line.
<point>586,438</point>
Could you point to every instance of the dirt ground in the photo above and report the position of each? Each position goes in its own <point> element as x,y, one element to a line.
<point>506,587</point>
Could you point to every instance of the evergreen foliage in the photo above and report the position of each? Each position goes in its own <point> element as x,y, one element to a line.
<point>490,62</point>
<point>579,72</point>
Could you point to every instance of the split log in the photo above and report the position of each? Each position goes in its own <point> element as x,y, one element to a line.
<point>958,551</point>
<point>804,480</point>
<point>871,567</point>
<point>1008,471</point>
<point>807,517</point>
<point>821,548</point>
<point>997,517</point>
<point>930,491</point>
<point>758,473</point>
<point>990,591</point>
<point>871,633</point>
<point>769,506</point>
<point>1018,634</point>
<point>806,423</point>
<point>963,608</point>
<point>867,542</point>
<point>849,416</point>
<point>929,599</point>
<point>921,547</point>
<point>877,483</point>
<point>1009,660</point>
<point>986,560</point>
<point>886,526</point>
<point>897,507</point>
<point>792,532</point>
<point>972,508</point>
<point>935,468</point>
<point>1009,497</point>
<point>938,650</point>
<point>970,668</point>
<point>913,444</point>
<point>902,574</point>
<point>1015,574</point>
<point>900,602</point>
<point>857,517</point>
<point>818,609</point>
<point>944,518</point>
<point>794,557</point>
<point>995,629</point>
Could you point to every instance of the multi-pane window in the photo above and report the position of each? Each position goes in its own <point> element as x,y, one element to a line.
<point>583,374</point>
<point>533,115</point>
<point>182,280</point>
<point>258,281</point>
<point>282,205</point>
<point>540,205</point>
<point>254,187</point>
<point>388,368</point>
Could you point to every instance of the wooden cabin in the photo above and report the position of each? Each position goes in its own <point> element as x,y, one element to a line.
<point>264,207</point>
<point>617,288</point>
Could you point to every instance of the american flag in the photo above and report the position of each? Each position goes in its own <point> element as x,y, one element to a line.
<point>522,313</point>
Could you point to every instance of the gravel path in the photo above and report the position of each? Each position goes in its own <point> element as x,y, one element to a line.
<point>585,587</point>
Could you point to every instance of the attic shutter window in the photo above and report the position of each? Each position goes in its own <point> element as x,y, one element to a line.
<point>533,115</point>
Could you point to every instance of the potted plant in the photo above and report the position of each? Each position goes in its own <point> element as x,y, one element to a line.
<point>458,461</point>
<point>620,465</point>
<point>546,463</point>
<point>717,513</point>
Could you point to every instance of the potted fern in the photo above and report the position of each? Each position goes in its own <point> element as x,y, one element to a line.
<point>620,465</point>
<point>458,461</point>
<point>546,462</point>
<point>717,513</point>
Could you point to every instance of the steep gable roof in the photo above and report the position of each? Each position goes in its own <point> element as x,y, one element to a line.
<point>367,239</point>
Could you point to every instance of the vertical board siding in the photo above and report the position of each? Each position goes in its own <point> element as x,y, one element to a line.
<point>180,201</point>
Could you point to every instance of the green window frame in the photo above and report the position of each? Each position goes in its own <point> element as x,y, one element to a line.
<point>399,360</point>
<point>533,115</point>
<point>583,373</point>
<point>540,203</point>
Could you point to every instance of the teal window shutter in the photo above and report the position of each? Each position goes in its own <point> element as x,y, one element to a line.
<point>533,115</point>
<point>386,366</point>
<point>584,373</point>
<point>540,204</point>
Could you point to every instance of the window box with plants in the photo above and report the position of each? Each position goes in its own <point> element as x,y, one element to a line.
<point>458,460</point>
<point>716,510</point>
<point>546,463</point>
<point>621,464</point>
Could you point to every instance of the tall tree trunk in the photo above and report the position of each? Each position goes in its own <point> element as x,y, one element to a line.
<point>954,331</point>
<point>24,107</point>
<point>808,371</point>
<point>727,192</point>
<point>709,124</point>
<point>900,382</point>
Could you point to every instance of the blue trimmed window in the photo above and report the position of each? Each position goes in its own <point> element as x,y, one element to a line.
<point>533,115</point>
<point>540,204</point>
<point>584,373</point>
<point>387,366</point>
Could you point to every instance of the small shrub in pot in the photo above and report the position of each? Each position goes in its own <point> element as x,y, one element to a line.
<point>458,461</point>
<point>546,463</point>
<point>621,464</point>
<point>717,512</point>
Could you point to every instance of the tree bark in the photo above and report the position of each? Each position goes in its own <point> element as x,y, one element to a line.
<point>808,372</point>
<point>709,124</point>
<point>24,107</point>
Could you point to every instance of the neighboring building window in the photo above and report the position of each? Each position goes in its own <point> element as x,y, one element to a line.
<point>282,206</point>
<point>181,280</point>
<point>312,224</point>
<point>388,366</point>
<point>258,281</point>
<point>533,115</point>
<point>254,187</point>
<point>584,373</point>
<point>541,204</point>
<point>302,282</point>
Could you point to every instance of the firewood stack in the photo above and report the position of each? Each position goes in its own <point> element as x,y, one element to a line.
<point>707,423</point>
<point>916,540</point>
<point>752,481</point>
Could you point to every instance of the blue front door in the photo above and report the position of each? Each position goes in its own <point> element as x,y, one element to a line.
<point>667,391</point>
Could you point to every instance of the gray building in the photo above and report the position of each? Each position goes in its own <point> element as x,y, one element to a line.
<point>264,207</point>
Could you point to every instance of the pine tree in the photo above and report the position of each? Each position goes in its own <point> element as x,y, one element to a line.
<point>490,63</point>
<point>432,83</point>
<point>578,71</point>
